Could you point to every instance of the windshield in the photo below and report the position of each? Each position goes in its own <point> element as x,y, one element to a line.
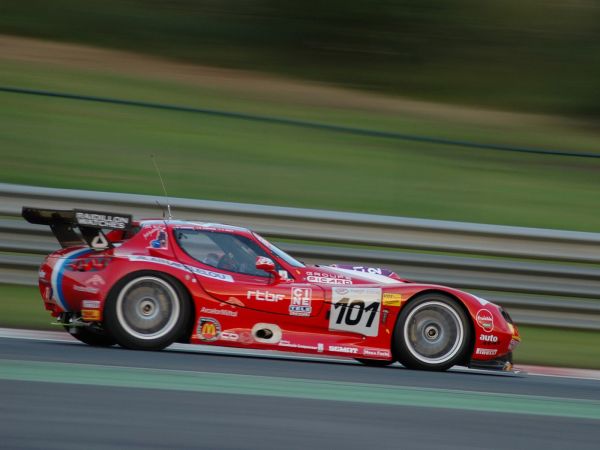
<point>280,253</point>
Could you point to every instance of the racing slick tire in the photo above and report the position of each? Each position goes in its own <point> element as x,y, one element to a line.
<point>433,332</point>
<point>147,311</point>
<point>374,362</point>
<point>91,337</point>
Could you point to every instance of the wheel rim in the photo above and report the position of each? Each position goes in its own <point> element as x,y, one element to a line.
<point>148,308</point>
<point>433,332</point>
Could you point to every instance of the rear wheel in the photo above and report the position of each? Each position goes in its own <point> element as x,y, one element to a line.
<point>432,333</point>
<point>147,311</point>
<point>90,336</point>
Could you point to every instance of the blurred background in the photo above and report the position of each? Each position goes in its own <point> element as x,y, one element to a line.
<point>467,111</point>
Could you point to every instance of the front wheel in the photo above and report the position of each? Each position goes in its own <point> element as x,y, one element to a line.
<point>147,311</point>
<point>432,333</point>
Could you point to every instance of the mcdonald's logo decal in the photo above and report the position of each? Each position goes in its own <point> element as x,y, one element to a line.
<point>209,329</point>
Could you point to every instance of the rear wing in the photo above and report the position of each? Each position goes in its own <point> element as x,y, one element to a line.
<point>79,227</point>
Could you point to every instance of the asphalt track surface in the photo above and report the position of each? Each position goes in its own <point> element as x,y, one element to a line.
<point>57,393</point>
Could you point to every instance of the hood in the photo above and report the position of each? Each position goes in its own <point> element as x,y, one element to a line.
<point>342,276</point>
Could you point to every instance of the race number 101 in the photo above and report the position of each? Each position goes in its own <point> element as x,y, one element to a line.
<point>351,312</point>
<point>356,310</point>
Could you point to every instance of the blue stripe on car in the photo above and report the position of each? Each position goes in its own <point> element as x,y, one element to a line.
<point>59,278</point>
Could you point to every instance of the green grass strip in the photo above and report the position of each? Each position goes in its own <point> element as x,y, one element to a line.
<point>297,123</point>
<point>221,383</point>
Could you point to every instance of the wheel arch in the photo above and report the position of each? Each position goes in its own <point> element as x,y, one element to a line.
<point>184,336</point>
<point>452,296</point>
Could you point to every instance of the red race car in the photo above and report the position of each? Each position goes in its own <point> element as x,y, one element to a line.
<point>147,284</point>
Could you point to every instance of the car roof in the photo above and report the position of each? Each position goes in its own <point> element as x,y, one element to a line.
<point>195,225</point>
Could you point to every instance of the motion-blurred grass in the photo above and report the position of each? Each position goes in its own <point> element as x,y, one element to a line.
<point>21,307</point>
<point>535,55</point>
<point>66,143</point>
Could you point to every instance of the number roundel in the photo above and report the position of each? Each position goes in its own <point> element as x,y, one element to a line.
<point>356,310</point>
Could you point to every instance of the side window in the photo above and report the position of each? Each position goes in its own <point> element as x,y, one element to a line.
<point>225,251</point>
<point>199,246</point>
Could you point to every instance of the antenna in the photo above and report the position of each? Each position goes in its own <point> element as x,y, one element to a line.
<point>163,186</point>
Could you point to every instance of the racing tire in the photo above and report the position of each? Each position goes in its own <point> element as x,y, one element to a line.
<point>91,337</point>
<point>374,362</point>
<point>433,332</point>
<point>147,311</point>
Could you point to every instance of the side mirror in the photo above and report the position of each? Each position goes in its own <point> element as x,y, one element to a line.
<point>267,265</point>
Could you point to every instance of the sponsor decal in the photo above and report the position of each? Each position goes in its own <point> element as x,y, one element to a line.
<point>176,265</point>
<point>485,320</point>
<point>342,349</point>
<point>99,242</point>
<point>486,351</point>
<point>152,230</point>
<point>383,278</point>
<point>208,329</point>
<point>288,344</point>
<point>42,274</point>
<point>90,315</point>
<point>320,347</point>
<point>219,312</point>
<point>101,220</point>
<point>327,280</point>
<point>356,310</point>
<point>90,304</point>
<point>160,241</point>
<point>326,274</point>
<point>96,280</point>
<point>377,353</point>
<point>300,305</point>
<point>488,338</point>
<point>228,336</point>
<point>390,299</point>
<point>264,296</point>
<point>373,270</point>
<point>365,269</point>
<point>86,289</point>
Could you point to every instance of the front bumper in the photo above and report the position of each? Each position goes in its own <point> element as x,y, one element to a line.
<point>503,363</point>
